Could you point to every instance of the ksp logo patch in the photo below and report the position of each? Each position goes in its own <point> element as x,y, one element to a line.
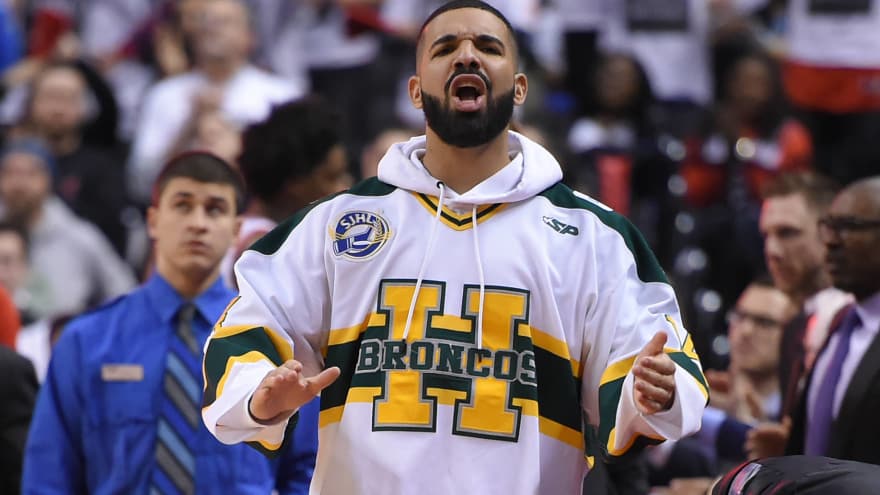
<point>358,235</point>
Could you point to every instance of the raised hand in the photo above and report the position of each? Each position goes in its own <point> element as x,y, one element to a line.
<point>654,381</point>
<point>285,389</point>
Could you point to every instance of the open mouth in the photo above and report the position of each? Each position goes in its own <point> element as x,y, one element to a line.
<point>468,92</point>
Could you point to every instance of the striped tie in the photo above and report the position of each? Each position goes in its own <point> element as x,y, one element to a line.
<point>179,413</point>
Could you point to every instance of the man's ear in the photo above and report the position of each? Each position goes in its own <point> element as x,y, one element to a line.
<point>415,91</point>
<point>151,222</point>
<point>520,88</point>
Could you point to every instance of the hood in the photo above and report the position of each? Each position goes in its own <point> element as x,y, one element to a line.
<point>531,170</point>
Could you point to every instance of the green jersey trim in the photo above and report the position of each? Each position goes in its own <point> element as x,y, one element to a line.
<point>647,266</point>
<point>271,242</point>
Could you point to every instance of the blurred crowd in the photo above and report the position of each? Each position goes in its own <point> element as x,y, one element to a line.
<point>722,128</point>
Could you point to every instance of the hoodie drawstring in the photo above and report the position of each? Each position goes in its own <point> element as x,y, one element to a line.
<point>482,279</point>
<point>425,258</point>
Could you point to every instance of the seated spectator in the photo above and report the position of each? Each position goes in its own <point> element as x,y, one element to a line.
<point>289,160</point>
<point>747,393</point>
<point>216,134</point>
<point>614,145</point>
<point>29,291</point>
<point>77,261</point>
<point>222,80</point>
<point>751,138</point>
<point>89,177</point>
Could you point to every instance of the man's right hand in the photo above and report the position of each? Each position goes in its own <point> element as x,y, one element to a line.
<point>768,439</point>
<point>285,389</point>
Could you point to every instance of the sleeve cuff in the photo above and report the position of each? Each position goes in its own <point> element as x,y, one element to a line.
<point>682,419</point>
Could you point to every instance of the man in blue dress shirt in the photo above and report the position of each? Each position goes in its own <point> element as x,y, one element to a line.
<point>119,411</point>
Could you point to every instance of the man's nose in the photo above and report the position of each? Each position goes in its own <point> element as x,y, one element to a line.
<point>198,220</point>
<point>467,56</point>
<point>772,247</point>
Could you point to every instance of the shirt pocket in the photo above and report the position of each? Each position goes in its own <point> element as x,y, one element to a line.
<point>123,402</point>
<point>120,435</point>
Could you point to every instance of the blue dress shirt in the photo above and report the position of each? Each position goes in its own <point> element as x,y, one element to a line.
<point>94,427</point>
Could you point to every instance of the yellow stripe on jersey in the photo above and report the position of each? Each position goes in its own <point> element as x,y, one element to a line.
<point>612,438</point>
<point>561,432</point>
<point>330,416</point>
<point>350,334</point>
<point>555,346</point>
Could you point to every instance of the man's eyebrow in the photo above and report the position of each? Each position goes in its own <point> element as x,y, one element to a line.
<point>488,38</point>
<point>482,38</point>
<point>218,199</point>
<point>446,38</point>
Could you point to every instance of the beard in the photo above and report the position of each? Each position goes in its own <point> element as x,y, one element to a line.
<point>468,129</point>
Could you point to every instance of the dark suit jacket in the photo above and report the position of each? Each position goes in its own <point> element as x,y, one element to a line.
<point>791,361</point>
<point>855,432</point>
<point>18,392</point>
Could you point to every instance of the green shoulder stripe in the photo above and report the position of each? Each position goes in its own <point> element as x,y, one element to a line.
<point>647,266</point>
<point>269,243</point>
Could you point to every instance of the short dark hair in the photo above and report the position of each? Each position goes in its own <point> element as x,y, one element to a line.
<point>468,4</point>
<point>290,144</point>
<point>817,189</point>
<point>200,166</point>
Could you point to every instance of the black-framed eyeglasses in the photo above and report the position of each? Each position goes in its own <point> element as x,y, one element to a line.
<point>761,322</point>
<point>844,225</point>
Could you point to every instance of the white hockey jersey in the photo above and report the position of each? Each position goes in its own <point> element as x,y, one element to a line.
<point>509,367</point>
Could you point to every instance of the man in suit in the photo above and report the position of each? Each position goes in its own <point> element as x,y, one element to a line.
<point>837,415</point>
<point>18,391</point>
<point>791,208</point>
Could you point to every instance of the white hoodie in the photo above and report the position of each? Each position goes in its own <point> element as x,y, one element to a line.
<point>480,342</point>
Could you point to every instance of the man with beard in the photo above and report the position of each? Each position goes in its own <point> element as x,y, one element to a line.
<point>792,207</point>
<point>838,415</point>
<point>463,315</point>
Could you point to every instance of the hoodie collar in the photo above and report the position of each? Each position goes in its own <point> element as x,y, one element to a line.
<point>531,170</point>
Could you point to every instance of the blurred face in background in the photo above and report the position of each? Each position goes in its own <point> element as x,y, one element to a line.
<point>192,226</point>
<point>25,184</point>
<point>223,31</point>
<point>330,177</point>
<point>59,101</point>
<point>851,233</point>
<point>755,329</point>
<point>792,247</point>
<point>13,261</point>
<point>216,134</point>
<point>750,85</point>
<point>617,83</point>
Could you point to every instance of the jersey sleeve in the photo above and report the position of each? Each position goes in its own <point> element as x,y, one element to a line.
<point>280,313</point>
<point>635,301</point>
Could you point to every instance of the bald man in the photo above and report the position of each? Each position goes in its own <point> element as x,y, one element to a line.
<point>838,415</point>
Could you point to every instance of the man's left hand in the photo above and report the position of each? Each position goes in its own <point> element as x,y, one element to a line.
<point>654,381</point>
